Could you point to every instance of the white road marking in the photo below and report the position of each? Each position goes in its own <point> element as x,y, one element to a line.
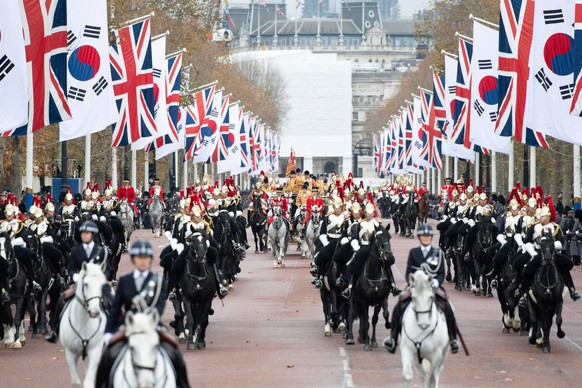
<point>348,381</point>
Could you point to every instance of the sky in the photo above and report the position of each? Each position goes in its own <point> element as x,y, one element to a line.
<point>410,7</point>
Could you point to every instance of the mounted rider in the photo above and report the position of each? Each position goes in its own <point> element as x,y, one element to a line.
<point>334,225</point>
<point>68,210</point>
<point>431,261</point>
<point>128,192</point>
<point>110,206</point>
<point>89,251</point>
<point>361,235</point>
<point>546,224</point>
<point>158,190</point>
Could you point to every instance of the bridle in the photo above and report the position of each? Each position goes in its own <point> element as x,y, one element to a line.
<point>418,342</point>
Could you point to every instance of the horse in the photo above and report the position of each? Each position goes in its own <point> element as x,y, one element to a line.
<point>298,229</point>
<point>546,296</point>
<point>371,289</point>
<point>228,256</point>
<point>126,217</point>
<point>198,290</point>
<point>13,323</point>
<point>143,362</point>
<point>410,215</point>
<point>279,237</point>
<point>83,323</point>
<point>423,205</point>
<point>257,221</point>
<point>156,212</point>
<point>424,333</point>
<point>312,232</point>
<point>511,312</point>
<point>482,259</point>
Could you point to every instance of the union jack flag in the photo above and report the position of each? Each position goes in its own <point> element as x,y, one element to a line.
<point>432,147</point>
<point>223,124</point>
<point>462,127</point>
<point>407,124</point>
<point>133,84</point>
<point>45,36</point>
<point>376,164</point>
<point>515,39</point>
<point>199,116</point>
<point>173,80</point>
<point>244,142</point>
<point>255,140</point>
<point>439,99</point>
<point>576,107</point>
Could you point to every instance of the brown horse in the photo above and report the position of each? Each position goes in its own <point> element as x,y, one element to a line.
<point>423,208</point>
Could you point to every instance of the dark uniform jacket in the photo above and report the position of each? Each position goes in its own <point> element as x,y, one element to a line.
<point>78,256</point>
<point>436,265</point>
<point>126,291</point>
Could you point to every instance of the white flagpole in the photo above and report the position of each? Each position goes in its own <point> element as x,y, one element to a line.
<point>185,171</point>
<point>29,166</point>
<point>456,169</point>
<point>146,167</point>
<point>493,172</point>
<point>447,166</point>
<point>176,176</point>
<point>476,180</point>
<point>439,182</point>
<point>576,171</point>
<point>532,167</point>
<point>114,168</point>
<point>510,167</point>
<point>432,179</point>
<point>87,158</point>
<point>134,168</point>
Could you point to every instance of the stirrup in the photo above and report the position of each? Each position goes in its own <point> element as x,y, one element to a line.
<point>390,344</point>
<point>494,283</point>
<point>347,293</point>
<point>222,291</point>
<point>36,287</point>
<point>5,296</point>
<point>318,283</point>
<point>522,301</point>
<point>454,346</point>
<point>574,295</point>
<point>172,296</point>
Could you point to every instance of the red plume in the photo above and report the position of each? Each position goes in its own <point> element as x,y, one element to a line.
<point>524,191</point>
<point>182,195</point>
<point>518,185</point>
<point>216,184</point>
<point>350,176</point>
<point>96,187</point>
<point>371,198</point>
<point>470,181</point>
<point>533,192</point>
<point>478,189</point>
<point>540,202</point>
<point>89,185</point>
<point>340,192</point>
<point>49,198</point>
<point>108,184</point>
<point>540,191</point>
<point>552,208</point>
<point>191,203</point>
<point>361,184</point>
<point>69,190</point>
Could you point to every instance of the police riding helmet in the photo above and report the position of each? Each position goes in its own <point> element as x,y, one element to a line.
<point>424,230</point>
<point>141,248</point>
<point>89,226</point>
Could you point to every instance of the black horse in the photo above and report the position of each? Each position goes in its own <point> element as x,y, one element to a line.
<point>258,222</point>
<point>514,317</point>
<point>410,215</point>
<point>198,290</point>
<point>371,289</point>
<point>482,259</point>
<point>546,296</point>
<point>228,257</point>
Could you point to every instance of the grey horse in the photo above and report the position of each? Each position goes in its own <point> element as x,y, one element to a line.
<point>278,237</point>
<point>126,216</point>
<point>156,212</point>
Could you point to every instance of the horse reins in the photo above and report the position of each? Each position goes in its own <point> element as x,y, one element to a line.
<point>418,344</point>
<point>85,304</point>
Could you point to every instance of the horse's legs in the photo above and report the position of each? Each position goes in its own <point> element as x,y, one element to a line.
<point>256,238</point>
<point>189,324</point>
<point>72,361</point>
<point>42,313</point>
<point>324,294</point>
<point>350,323</point>
<point>373,342</point>
<point>546,330</point>
<point>203,322</point>
<point>561,333</point>
<point>91,364</point>
<point>407,358</point>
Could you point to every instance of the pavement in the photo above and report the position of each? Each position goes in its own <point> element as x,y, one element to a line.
<point>269,332</point>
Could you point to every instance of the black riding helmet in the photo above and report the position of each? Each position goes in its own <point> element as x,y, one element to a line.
<point>89,226</point>
<point>141,248</point>
<point>424,230</point>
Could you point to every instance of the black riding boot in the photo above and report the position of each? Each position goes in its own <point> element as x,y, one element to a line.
<point>56,321</point>
<point>452,327</point>
<point>347,293</point>
<point>222,291</point>
<point>4,270</point>
<point>29,271</point>
<point>569,283</point>
<point>178,267</point>
<point>390,343</point>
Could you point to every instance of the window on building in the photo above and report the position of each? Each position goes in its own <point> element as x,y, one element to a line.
<point>355,116</point>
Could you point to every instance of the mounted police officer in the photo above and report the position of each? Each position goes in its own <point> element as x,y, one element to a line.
<point>138,291</point>
<point>87,252</point>
<point>431,261</point>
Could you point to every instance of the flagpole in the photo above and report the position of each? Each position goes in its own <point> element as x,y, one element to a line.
<point>464,37</point>
<point>477,164</point>
<point>532,166</point>
<point>456,169</point>
<point>133,168</point>
<point>450,55</point>
<point>493,172</point>
<point>146,167</point>
<point>183,51</point>
<point>483,21</point>
<point>439,181</point>
<point>185,173</point>
<point>176,180</point>
<point>577,188</point>
<point>203,86</point>
<point>154,38</point>
<point>275,36</point>
<point>136,20</point>
<point>87,158</point>
<point>447,166</point>
<point>29,166</point>
<point>114,176</point>
<point>510,168</point>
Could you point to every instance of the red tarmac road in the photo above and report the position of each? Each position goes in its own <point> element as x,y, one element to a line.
<point>270,333</point>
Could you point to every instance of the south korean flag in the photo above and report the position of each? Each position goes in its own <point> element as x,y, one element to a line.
<point>551,79</point>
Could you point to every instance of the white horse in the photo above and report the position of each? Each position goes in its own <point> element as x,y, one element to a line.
<point>312,232</point>
<point>278,237</point>
<point>156,212</point>
<point>126,216</point>
<point>424,335</point>
<point>83,324</point>
<point>143,363</point>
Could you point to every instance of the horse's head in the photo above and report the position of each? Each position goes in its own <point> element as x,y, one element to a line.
<point>547,247</point>
<point>315,216</point>
<point>199,246</point>
<point>422,297</point>
<point>486,233</point>
<point>144,344</point>
<point>382,243</point>
<point>224,221</point>
<point>6,251</point>
<point>90,282</point>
